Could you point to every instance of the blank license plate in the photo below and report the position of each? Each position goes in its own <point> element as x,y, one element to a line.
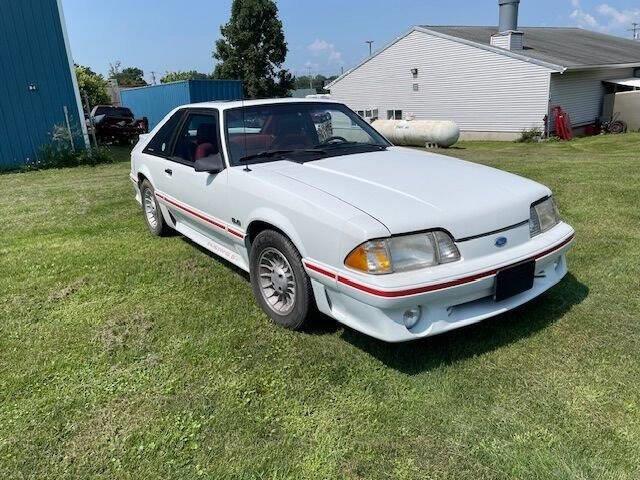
<point>514,280</point>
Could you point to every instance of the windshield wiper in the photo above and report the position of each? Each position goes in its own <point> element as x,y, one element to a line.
<point>274,153</point>
<point>351,145</point>
<point>265,154</point>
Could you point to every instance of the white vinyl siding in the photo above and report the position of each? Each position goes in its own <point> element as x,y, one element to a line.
<point>581,93</point>
<point>482,91</point>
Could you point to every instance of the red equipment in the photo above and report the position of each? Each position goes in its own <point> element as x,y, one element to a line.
<point>563,123</point>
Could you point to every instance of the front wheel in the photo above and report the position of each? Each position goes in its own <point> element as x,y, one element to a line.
<point>279,282</point>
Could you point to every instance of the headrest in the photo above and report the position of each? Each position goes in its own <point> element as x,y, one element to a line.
<point>206,133</point>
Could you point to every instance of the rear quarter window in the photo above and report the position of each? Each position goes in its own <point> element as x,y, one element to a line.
<point>160,144</point>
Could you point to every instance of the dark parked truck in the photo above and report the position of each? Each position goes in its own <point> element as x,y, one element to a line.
<point>117,124</point>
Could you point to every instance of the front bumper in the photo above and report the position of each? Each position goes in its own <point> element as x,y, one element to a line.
<point>447,302</point>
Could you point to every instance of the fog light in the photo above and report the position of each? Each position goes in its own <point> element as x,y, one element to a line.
<point>411,317</point>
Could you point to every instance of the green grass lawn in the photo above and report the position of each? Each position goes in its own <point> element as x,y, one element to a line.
<point>127,356</point>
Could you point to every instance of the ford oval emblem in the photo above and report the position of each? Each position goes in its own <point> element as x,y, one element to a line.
<point>501,242</point>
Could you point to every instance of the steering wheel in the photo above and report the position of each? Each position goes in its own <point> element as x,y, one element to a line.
<point>334,139</point>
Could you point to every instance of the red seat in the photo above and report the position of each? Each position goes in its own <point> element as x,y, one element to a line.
<point>204,150</point>
<point>253,142</point>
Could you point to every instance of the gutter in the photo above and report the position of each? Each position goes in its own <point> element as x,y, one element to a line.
<point>578,68</point>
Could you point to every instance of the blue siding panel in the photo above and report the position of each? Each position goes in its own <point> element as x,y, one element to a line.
<point>32,52</point>
<point>154,102</point>
<point>207,90</point>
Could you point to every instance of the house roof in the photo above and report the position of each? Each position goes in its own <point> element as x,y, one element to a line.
<point>570,48</point>
<point>556,48</point>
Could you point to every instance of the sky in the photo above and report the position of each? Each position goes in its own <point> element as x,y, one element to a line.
<point>322,36</point>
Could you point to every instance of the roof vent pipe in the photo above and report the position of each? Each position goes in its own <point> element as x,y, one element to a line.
<point>508,15</point>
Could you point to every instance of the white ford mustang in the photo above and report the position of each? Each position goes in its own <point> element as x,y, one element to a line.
<point>323,211</point>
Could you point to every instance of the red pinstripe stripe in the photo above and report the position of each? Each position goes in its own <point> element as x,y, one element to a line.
<point>200,216</point>
<point>235,232</point>
<point>320,270</point>
<point>426,288</point>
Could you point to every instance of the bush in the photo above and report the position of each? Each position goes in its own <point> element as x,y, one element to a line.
<point>59,154</point>
<point>532,135</point>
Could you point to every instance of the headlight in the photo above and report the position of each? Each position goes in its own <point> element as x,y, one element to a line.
<point>404,253</point>
<point>543,216</point>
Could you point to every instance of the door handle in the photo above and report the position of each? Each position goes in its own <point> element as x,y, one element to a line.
<point>168,171</point>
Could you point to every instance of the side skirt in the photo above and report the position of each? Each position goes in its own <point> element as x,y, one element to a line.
<point>212,246</point>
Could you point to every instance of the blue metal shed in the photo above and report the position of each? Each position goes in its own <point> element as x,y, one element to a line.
<point>37,80</point>
<point>155,101</point>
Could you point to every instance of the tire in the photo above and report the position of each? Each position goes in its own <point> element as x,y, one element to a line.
<point>151,210</point>
<point>273,292</point>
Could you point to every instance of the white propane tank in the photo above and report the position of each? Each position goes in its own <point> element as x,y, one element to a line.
<point>419,133</point>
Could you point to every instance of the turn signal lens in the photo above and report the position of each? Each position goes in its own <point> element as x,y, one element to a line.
<point>370,257</point>
<point>403,253</point>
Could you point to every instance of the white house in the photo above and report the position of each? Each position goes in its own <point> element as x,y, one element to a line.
<point>493,82</point>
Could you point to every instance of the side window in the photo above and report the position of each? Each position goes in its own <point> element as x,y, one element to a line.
<point>198,137</point>
<point>160,143</point>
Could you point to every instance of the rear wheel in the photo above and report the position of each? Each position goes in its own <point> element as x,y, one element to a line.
<point>152,214</point>
<point>279,282</point>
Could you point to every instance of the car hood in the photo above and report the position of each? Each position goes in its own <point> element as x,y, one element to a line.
<point>408,190</point>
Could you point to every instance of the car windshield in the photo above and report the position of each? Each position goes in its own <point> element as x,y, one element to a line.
<point>301,131</point>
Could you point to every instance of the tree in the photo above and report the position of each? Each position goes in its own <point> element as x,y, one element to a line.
<point>94,85</point>
<point>253,49</point>
<point>127,77</point>
<point>318,82</point>
<point>177,76</point>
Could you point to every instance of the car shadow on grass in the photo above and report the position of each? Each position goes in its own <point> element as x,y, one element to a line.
<point>448,348</point>
<point>426,354</point>
<point>235,269</point>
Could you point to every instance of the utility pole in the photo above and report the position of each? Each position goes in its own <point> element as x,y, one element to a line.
<point>370,42</point>
<point>309,75</point>
<point>635,28</point>
<point>153,78</point>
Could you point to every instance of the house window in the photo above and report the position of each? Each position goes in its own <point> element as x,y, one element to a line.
<point>394,114</point>
<point>370,114</point>
<point>414,72</point>
<point>416,87</point>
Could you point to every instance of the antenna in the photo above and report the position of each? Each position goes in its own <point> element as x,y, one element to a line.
<point>370,42</point>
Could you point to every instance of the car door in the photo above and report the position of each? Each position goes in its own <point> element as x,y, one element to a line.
<point>198,199</point>
<point>156,154</point>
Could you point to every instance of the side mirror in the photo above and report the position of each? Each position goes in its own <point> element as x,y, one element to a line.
<point>211,163</point>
